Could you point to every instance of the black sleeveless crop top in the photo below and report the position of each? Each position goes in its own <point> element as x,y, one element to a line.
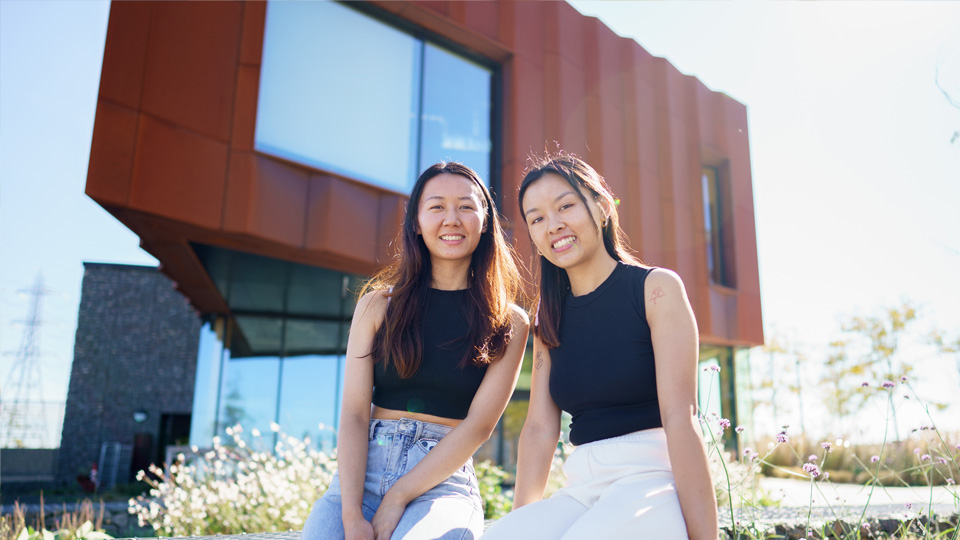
<point>440,387</point>
<point>603,372</point>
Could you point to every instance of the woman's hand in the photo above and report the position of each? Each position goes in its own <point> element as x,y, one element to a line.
<point>387,517</point>
<point>358,529</point>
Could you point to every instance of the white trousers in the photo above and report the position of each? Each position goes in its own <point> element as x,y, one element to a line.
<point>620,488</point>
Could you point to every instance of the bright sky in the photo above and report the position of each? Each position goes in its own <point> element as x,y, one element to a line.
<point>50,57</point>
<point>856,182</point>
<point>855,178</point>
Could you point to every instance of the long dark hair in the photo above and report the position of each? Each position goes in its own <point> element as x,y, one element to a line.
<point>493,282</point>
<point>553,280</point>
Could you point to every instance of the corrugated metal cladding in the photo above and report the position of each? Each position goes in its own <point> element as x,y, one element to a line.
<point>173,159</point>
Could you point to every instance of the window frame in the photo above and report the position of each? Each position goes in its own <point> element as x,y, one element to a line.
<point>721,234</point>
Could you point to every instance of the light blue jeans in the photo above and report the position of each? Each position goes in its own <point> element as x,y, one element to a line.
<point>452,510</point>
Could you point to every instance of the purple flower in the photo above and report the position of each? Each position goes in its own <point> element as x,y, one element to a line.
<point>909,505</point>
<point>957,445</point>
<point>739,429</point>
<point>950,481</point>
<point>874,459</point>
<point>714,368</point>
<point>925,457</point>
<point>782,437</point>
<point>864,384</point>
<point>888,384</point>
<point>916,450</point>
<point>827,475</point>
<point>747,451</point>
<point>812,458</point>
<point>903,378</point>
<point>826,446</point>
<point>724,423</point>
<point>943,461</point>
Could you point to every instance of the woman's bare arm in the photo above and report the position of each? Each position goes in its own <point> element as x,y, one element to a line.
<point>541,431</point>
<point>675,345</point>
<point>355,414</point>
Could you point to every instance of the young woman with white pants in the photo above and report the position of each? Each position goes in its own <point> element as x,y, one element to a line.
<point>616,346</point>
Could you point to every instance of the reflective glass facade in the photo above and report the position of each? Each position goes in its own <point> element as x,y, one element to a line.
<point>278,356</point>
<point>717,395</point>
<point>396,104</point>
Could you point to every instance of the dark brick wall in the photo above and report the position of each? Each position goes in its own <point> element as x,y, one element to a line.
<point>136,349</point>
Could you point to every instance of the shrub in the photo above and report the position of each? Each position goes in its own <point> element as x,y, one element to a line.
<point>490,477</point>
<point>235,489</point>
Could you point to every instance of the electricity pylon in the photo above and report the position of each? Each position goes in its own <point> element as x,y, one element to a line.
<point>24,419</point>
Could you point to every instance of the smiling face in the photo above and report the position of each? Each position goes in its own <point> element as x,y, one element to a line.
<point>450,217</point>
<point>565,231</point>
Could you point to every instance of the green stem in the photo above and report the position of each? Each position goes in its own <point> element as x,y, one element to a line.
<point>726,474</point>
<point>876,474</point>
<point>926,409</point>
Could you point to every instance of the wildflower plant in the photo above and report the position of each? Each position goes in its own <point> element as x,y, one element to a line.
<point>933,459</point>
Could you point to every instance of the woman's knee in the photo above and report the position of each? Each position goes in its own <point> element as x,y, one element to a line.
<point>447,518</point>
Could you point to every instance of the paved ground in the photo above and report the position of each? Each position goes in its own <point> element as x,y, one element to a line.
<point>797,493</point>
<point>844,501</point>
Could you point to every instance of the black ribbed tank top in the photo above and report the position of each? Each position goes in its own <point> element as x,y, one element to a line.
<point>603,372</point>
<point>440,387</point>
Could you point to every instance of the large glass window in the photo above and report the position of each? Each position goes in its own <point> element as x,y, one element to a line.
<point>456,111</point>
<point>344,92</point>
<point>717,390</point>
<point>278,356</point>
<point>206,390</point>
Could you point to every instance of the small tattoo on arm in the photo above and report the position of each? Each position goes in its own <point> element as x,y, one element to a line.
<point>539,361</point>
<point>657,294</point>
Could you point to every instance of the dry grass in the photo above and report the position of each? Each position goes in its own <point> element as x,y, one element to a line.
<point>900,461</point>
<point>66,523</point>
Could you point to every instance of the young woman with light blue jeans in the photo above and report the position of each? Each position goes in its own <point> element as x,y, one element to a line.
<point>432,360</point>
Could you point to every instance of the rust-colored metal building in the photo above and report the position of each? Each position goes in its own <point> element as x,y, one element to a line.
<point>261,152</point>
